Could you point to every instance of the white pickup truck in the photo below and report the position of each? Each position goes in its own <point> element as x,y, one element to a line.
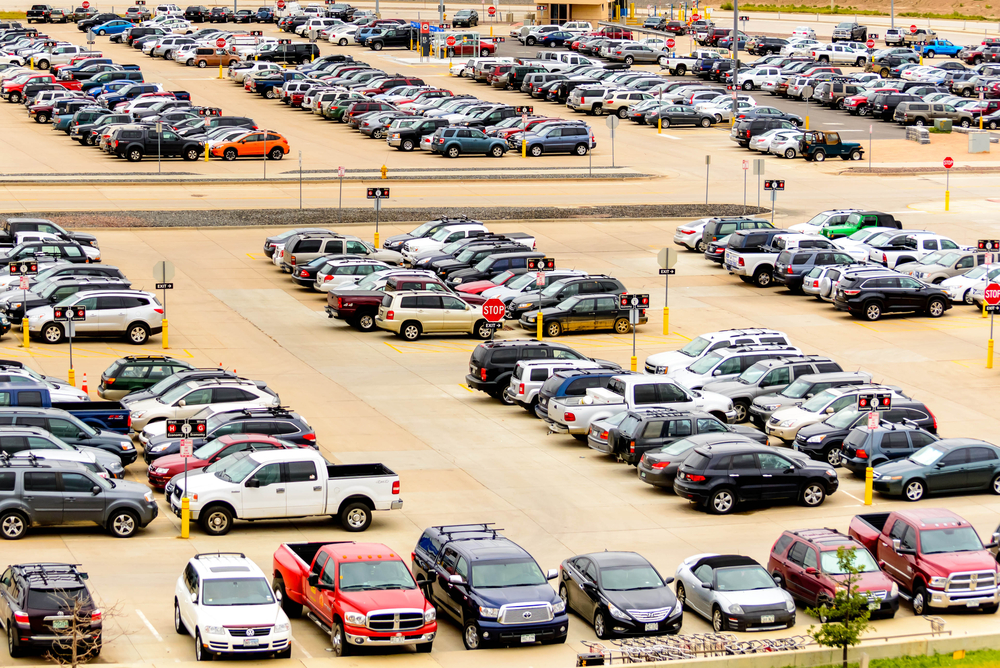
<point>839,54</point>
<point>680,65</point>
<point>275,484</point>
<point>62,55</point>
<point>573,415</point>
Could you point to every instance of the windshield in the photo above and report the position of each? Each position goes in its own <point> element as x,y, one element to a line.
<point>797,389</point>
<point>369,575</point>
<point>743,578</point>
<point>162,385</point>
<point>927,455</point>
<point>947,259</point>
<point>977,272</point>
<point>862,560</point>
<point>522,281</point>
<point>819,402</point>
<point>705,364</point>
<point>753,374</point>
<point>465,255</point>
<point>370,281</point>
<point>695,347</point>
<point>819,219</point>
<point>176,393</point>
<point>552,289</point>
<point>628,578</point>
<point>932,258</point>
<point>238,471</point>
<point>508,574</point>
<point>678,447</point>
<point>237,591</point>
<point>844,418</point>
<point>961,539</point>
<point>423,229</point>
<point>881,239</point>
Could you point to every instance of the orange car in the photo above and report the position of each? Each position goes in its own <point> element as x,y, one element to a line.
<point>253,144</point>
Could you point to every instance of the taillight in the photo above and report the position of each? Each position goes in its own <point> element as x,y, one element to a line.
<point>604,434</point>
<point>933,418</point>
<point>695,478</point>
<point>21,617</point>
<point>631,447</point>
<point>852,292</point>
<point>390,315</point>
<point>293,259</point>
<point>569,417</point>
<point>741,261</point>
<point>158,310</point>
<point>305,273</point>
<point>309,437</point>
<point>885,259</point>
<point>687,231</point>
<point>789,269</point>
<point>660,465</point>
<point>395,487</point>
<point>861,454</point>
<point>520,389</point>
<point>815,284</point>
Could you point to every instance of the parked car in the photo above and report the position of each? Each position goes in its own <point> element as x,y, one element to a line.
<point>870,296</point>
<point>947,465</point>
<point>658,467</point>
<point>889,442</point>
<point>710,342</point>
<point>162,470</point>
<point>111,313</point>
<point>411,314</point>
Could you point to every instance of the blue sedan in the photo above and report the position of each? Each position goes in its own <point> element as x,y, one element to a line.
<point>113,27</point>
<point>558,38</point>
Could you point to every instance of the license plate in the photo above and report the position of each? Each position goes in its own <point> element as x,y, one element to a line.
<point>60,624</point>
<point>251,642</point>
<point>396,639</point>
<point>767,619</point>
<point>652,626</point>
<point>970,604</point>
<point>642,474</point>
<point>874,605</point>
<point>529,637</point>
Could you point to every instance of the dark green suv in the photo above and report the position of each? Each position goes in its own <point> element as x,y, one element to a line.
<point>137,372</point>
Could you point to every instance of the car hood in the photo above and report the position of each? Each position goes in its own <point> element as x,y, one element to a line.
<point>796,414</point>
<point>671,360</point>
<point>956,562</point>
<point>687,378</point>
<point>239,615</point>
<point>642,599</point>
<point>728,387</point>
<point>771,596</point>
<point>385,599</point>
<point>526,298</point>
<point>901,467</point>
<point>176,463</point>
<point>153,429</point>
<point>820,428</point>
<point>959,282</point>
<point>128,487</point>
<point>500,292</point>
<point>776,399</point>
<point>523,594</point>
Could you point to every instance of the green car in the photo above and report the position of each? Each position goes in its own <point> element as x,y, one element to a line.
<point>949,465</point>
<point>137,372</point>
<point>858,221</point>
<point>335,111</point>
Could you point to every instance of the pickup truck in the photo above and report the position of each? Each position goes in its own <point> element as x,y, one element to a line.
<point>12,90</point>
<point>359,307</point>
<point>935,557</point>
<point>934,47</point>
<point>362,594</point>
<point>39,13</point>
<point>573,414</point>
<point>681,65</point>
<point>849,32</point>
<point>63,54</point>
<point>101,415</point>
<point>288,483</point>
<point>12,226</point>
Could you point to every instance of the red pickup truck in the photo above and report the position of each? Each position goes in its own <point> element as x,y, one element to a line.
<point>359,307</point>
<point>934,555</point>
<point>362,594</point>
<point>12,90</point>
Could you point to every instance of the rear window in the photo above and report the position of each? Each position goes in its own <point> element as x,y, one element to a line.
<point>697,461</point>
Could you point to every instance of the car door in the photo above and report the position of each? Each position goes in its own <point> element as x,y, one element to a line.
<point>324,569</point>
<point>910,295</point>
<point>698,596</point>
<point>581,318</point>
<point>775,380</point>
<point>192,402</point>
<point>109,313</point>
<point>456,316</point>
<point>605,313</point>
<point>430,313</point>
<point>894,445</point>
<point>779,479</point>
<point>42,493</point>
<point>80,504</point>
<point>796,580</point>
<point>745,476</point>
<point>950,472</point>
<point>304,490</point>
<point>447,594</point>
<point>263,493</point>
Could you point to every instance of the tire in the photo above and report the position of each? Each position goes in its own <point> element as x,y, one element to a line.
<point>453,152</point>
<point>535,151</point>
<point>13,646</point>
<point>995,485</point>
<point>270,94</point>
<point>597,110</point>
<point>134,155</point>
<point>860,62</point>
<point>993,125</point>
<point>276,153</point>
<point>681,70</point>
<point>967,298</point>
<point>291,608</point>
<point>833,456</point>
<point>762,278</point>
<point>914,490</point>
<point>722,501</point>
<point>137,333</point>
<point>819,156</point>
<point>622,326</point>
<point>406,145</point>
<point>824,59</point>
<point>855,154</point>
<point>863,110</point>
<point>53,333</point>
<point>553,329</point>
<point>929,54</point>
<point>411,330</point>
<point>601,625</point>
<point>664,122</point>
<point>91,140</point>
<point>13,526</point>
<point>364,322</point>
<point>742,409</point>
<point>706,123</point>
<point>481,330</point>
<point>42,118</point>
<point>629,60</point>
<point>966,123</point>
<point>700,246</point>
<point>191,154</point>
<point>102,33</point>
<point>719,623</point>
<point>202,64</point>
<point>813,495</point>
<point>216,520</point>
<point>377,46</point>
<point>581,149</point>
<point>179,627</point>
<point>790,153</point>
<point>470,636</point>
<point>919,600</point>
<point>229,154</point>
<point>623,113</point>
<point>747,85</point>
<point>681,595</point>
<point>123,524</point>
<point>15,97</point>
<point>497,151</point>
<point>200,653</point>
<point>935,307</point>
<point>530,41</point>
<point>342,42</point>
<point>377,134</point>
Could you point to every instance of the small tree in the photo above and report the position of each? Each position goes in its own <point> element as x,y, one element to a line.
<point>845,618</point>
<point>76,642</point>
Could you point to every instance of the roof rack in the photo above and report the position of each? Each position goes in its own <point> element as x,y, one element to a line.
<point>486,531</point>
<point>204,555</point>
<point>47,571</point>
<point>273,410</point>
<point>29,459</point>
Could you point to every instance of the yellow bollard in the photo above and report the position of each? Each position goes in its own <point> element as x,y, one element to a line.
<point>538,325</point>
<point>206,151</point>
<point>869,478</point>
<point>24,329</point>
<point>220,69</point>
<point>72,377</point>
<point>989,354</point>
<point>635,363</point>
<point>666,320</point>
<point>807,122</point>
<point>491,31</point>
<point>166,334</point>
<point>984,308</point>
<point>185,517</point>
<point>659,125</point>
<point>385,172</point>
<point>524,146</point>
<point>376,240</point>
<point>947,200</point>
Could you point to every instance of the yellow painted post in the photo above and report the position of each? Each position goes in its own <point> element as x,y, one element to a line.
<point>166,334</point>
<point>666,320</point>
<point>185,517</point>
<point>220,69</point>
<point>24,329</point>
<point>206,151</point>
<point>807,122</point>
<point>659,125</point>
<point>989,354</point>
<point>984,308</point>
<point>72,377</point>
<point>385,172</point>
<point>635,363</point>
<point>376,240</point>
<point>524,146</point>
<point>947,200</point>
<point>869,478</point>
<point>538,325</point>
<point>981,121</point>
<point>491,31</point>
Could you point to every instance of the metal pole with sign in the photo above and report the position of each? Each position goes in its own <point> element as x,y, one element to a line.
<point>746,166</point>
<point>539,265</point>
<point>163,271</point>
<point>612,123</point>
<point>635,305</point>
<point>991,302</point>
<point>340,204</point>
<point>377,194</point>
<point>300,179</point>
<point>24,268</point>
<point>667,259</point>
<point>948,164</point>
<point>159,145</point>
<point>184,429</point>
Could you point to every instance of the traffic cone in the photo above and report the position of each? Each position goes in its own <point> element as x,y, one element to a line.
<point>84,386</point>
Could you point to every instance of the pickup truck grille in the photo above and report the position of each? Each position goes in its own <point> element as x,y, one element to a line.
<point>971,581</point>
<point>396,620</point>
<point>527,613</point>
<point>249,632</point>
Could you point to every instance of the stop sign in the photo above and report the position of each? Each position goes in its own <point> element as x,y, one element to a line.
<point>870,44</point>
<point>670,42</point>
<point>85,5</point>
<point>913,28</point>
<point>492,10</point>
<point>281,4</point>
<point>450,41</point>
<point>493,309</point>
<point>220,42</point>
<point>695,17</point>
<point>948,163</point>
<point>992,294</point>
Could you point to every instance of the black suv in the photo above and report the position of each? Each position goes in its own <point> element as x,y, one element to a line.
<point>645,430</point>
<point>866,447</point>
<point>490,586</point>
<point>408,138</point>
<point>792,266</point>
<point>762,46</point>
<point>470,256</point>
<point>492,363</point>
<point>277,422</point>
<point>220,15</point>
<point>136,142</point>
<point>465,18</point>
<point>196,13</point>
<point>297,52</point>
<point>137,372</point>
<point>504,259</point>
<point>745,130</point>
<point>40,602</point>
<point>717,228</point>
<point>399,36</point>
<point>884,105</point>
<point>718,478</point>
<point>869,296</point>
<point>561,290</point>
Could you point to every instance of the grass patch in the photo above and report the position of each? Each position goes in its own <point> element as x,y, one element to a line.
<point>852,11</point>
<point>984,658</point>
<point>13,15</point>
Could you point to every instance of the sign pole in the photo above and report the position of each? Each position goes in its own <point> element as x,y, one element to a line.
<point>989,345</point>
<point>340,203</point>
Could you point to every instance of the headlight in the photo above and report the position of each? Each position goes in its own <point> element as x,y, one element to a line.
<point>895,590</point>
<point>616,613</point>
<point>430,615</point>
<point>526,305</point>
<point>127,445</point>
<point>790,605</point>
<point>458,280</point>
<point>816,439</point>
<point>215,630</point>
<point>559,607</point>
<point>354,618</point>
<point>894,477</point>
<point>15,305</point>
<point>735,609</point>
<point>148,496</point>
<point>939,582</point>
<point>489,612</point>
<point>159,448</point>
<point>771,407</point>
<point>785,423</point>
<point>139,415</point>
<point>161,471</point>
<point>282,627</point>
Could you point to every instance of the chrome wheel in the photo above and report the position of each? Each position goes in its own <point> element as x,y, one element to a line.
<point>833,457</point>
<point>914,491</point>
<point>13,527</point>
<point>470,636</point>
<point>53,333</point>
<point>813,495</point>
<point>718,623</point>
<point>337,639</point>
<point>936,308</point>
<point>366,323</point>
<point>357,518</point>
<point>742,411</point>
<point>919,601</point>
<point>681,595</point>
<point>600,627</point>
<point>873,311</point>
<point>996,485</point>
<point>723,501</point>
<point>138,334</point>
<point>968,298</point>
<point>217,522</point>
<point>123,525</point>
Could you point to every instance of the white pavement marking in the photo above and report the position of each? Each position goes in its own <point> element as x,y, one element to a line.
<point>668,136</point>
<point>853,497</point>
<point>301,648</point>
<point>148,625</point>
<point>833,124</point>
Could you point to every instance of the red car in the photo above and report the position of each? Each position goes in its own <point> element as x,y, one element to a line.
<point>804,563</point>
<point>478,287</point>
<point>163,469</point>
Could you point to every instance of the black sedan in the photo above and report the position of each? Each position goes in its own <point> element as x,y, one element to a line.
<point>583,313</point>
<point>659,467</point>
<point>679,115</point>
<point>770,112</point>
<point>244,16</point>
<point>869,296</point>
<point>620,593</point>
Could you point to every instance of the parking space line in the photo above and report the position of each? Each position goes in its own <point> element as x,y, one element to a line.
<point>466,387</point>
<point>148,625</point>
<point>250,255</point>
<point>853,497</point>
<point>301,648</point>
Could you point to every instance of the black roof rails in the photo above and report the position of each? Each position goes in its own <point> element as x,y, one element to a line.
<point>201,555</point>
<point>486,530</point>
<point>50,570</point>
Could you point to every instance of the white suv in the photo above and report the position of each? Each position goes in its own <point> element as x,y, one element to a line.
<point>706,343</point>
<point>186,399</point>
<point>224,600</point>
<point>130,313</point>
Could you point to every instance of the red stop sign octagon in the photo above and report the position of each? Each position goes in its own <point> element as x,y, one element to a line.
<point>992,294</point>
<point>220,42</point>
<point>948,163</point>
<point>493,309</point>
<point>450,41</point>
<point>670,42</point>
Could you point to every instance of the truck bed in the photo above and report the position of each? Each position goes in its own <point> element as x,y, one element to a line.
<point>867,528</point>
<point>357,470</point>
<point>307,551</point>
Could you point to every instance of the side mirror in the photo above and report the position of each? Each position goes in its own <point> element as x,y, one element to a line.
<point>253,482</point>
<point>456,579</point>
<point>939,465</point>
<point>667,581</point>
<point>313,579</point>
<point>717,372</point>
<point>194,597</point>
<point>811,571</point>
<point>552,574</point>
<point>829,410</point>
<point>95,490</point>
<point>896,545</point>
<point>707,585</point>
<point>777,580</point>
<point>181,403</point>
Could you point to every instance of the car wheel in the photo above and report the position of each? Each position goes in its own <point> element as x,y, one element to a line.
<point>747,85</point>
<point>706,122</point>
<point>377,46</point>
<point>178,624</point>
<point>470,636</point>
<point>134,155</point>
<point>622,326</point>
<point>497,151</point>
<point>101,33</point>
<point>482,330</point>
<point>42,118</point>
<point>535,151</point>
<point>531,41</point>
<point>229,154</point>
<point>819,156</point>
<point>833,456</point>
<point>813,495</point>
<point>629,60</point>
<point>15,97</point>
<point>681,596</point>
<point>935,307</point>
<point>452,152</point>
<point>191,154</point>
<point>410,330</point>
<point>484,53</point>
<point>123,524</point>
<point>53,333</point>
<point>377,134</point>
<point>342,42</point>
<point>700,246</point>
<point>553,329</point>
<point>929,54</point>
<point>718,621</point>
<point>601,626</point>
<point>276,153</point>
<point>862,111</point>
<point>597,110</point>
<point>355,517</point>
<point>914,490</point>
<point>856,154</point>
<point>919,600</point>
<point>138,333</point>
<point>406,145</point>
<point>216,521</point>
<point>995,485</point>
<point>966,123</point>
<point>200,653</point>
<point>91,140</point>
<point>13,526</point>
<point>722,502</point>
<point>742,409</point>
<point>873,311</point>
<point>270,94</point>
<point>762,277</point>
<point>968,298</point>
